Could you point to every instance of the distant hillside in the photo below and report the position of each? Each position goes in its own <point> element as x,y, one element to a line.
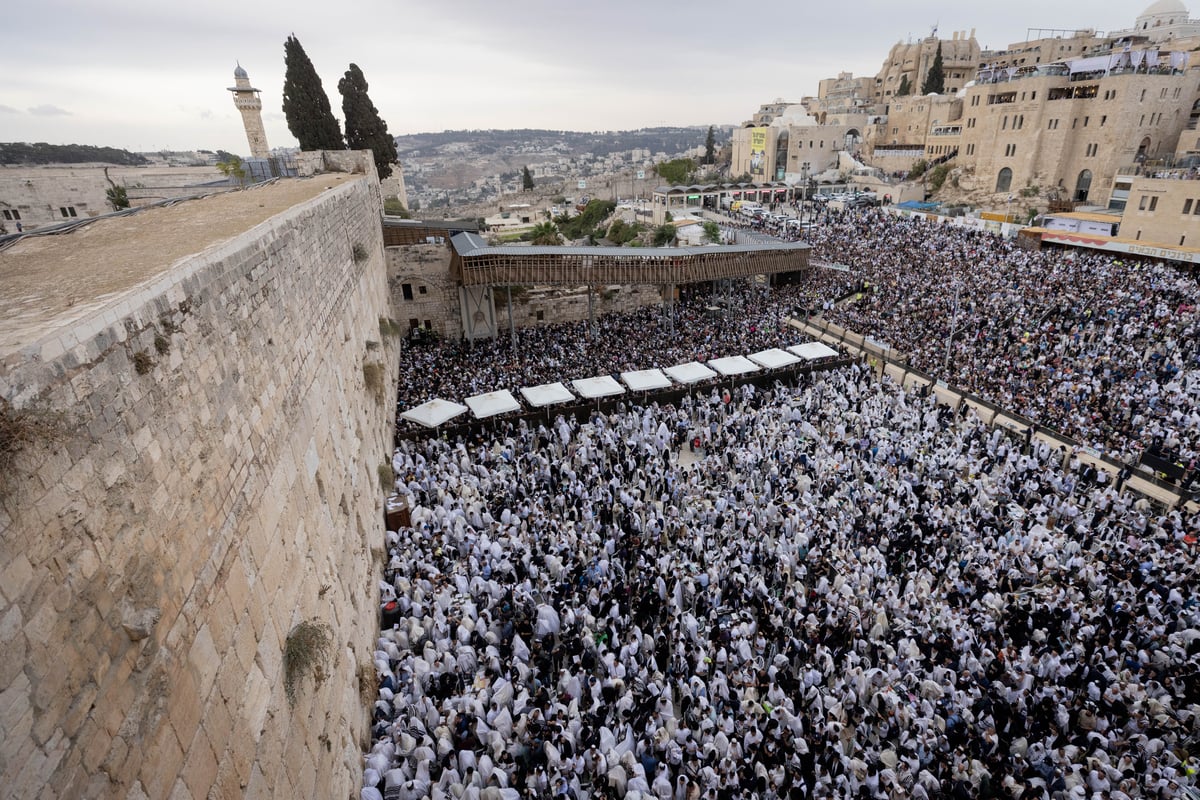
<point>599,143</point>
<point>43,153</point>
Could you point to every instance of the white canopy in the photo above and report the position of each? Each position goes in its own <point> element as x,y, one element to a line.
<point>691,372</point>
<point>546,394</point>
<point>644,379</point>
<point>434,413</point>
<point>811,351</point>
<point>493,403</point>
<point>773,358</point>
<point>602,386</point>
<point>733,365</point>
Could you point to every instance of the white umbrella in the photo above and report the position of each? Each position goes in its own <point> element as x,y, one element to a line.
<point>434,413</point>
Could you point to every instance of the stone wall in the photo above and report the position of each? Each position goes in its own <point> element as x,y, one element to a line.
<point>215,483</point>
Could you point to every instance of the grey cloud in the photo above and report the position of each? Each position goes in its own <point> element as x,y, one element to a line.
<point>8,109</point>
<point>47,110</point>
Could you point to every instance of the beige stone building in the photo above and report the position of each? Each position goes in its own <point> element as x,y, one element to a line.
<point>960,59</point>
<point>1072,125</point>
<point>1058,45</point>
<point>1164,211</point>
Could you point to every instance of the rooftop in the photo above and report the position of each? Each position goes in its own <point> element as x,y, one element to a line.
<point>49,282</point>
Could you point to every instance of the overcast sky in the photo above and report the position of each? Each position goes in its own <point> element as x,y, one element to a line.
<point>151,75</point>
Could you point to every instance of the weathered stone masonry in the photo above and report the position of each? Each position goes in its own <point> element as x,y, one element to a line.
<point>216,484</point>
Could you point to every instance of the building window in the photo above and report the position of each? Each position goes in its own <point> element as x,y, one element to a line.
<point>12,215</point>
<point>1033,95</point>
<point>67,211</point>
<point>1187,206</point>
<point>1085,121</point>
<point>1004,180</point>
<point>1004,123</point>
<point>428,325</point>
<point>413,324</point>
<point>407,289</point>
<point>1196,209</point>
<point>1142,203</point>
<point>422,290</point>
<point>541,315</point>
<point>1153,203</point>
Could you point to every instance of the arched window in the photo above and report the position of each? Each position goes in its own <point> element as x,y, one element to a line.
<point>1004,180</point>
<point>1082,184</point>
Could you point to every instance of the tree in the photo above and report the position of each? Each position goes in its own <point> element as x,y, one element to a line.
<point>665,234</point>
<point>394,208</point>
<point>364,128</point>
<point>544,233</point>
<point>527,180</point>
<point>712,232</point>
<point>117,196</point>
<point>305,103</point>
<point>232,168</point>
<point>710,146</point>
<point>680,170</point>
<point>935,79</point>
<point>905,86</point>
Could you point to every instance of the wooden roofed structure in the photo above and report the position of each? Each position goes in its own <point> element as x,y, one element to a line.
<point>474,263</point>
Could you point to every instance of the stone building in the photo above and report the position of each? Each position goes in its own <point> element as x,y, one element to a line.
<point>1164,210</point>
<point>1164,21</point>
<point>960,59</point>
<point>37,196</point>
<point>1072,125</point>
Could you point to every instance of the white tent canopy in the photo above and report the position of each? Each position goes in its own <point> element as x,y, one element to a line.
<point>493,403</point>
<point>810,351</point>
<point>434,413</point>
<point>774,358</point>
<point>601,386</point>
<point>734,365</point>
<point>645,379</point>
<point>547,394</point>
<point>691,372</point>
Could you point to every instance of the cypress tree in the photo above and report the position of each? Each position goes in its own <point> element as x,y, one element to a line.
<point>305,103</point>
<point>905,86</point>
<point>364,128</point>
<point>710,146</point>
<point>527,180</point>
<point>935,79</point>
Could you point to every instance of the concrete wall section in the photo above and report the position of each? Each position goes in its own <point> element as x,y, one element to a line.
<point>215,485</point>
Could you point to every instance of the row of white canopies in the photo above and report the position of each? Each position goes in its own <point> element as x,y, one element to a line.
<point>438,412</point>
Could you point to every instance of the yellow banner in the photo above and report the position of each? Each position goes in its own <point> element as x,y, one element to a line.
<point>758,151</point>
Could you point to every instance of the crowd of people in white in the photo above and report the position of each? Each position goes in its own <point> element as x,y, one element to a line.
<point>833,589</point>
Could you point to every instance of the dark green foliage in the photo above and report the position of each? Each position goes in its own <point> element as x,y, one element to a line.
<point>117,197</point>
<point>712,232</point>
<point>305,104</point>
<point>665,234</point>
<point>43,153</point>
<point>394,208</point>
<point>527,180</point>
<point>544,233</point>
<point>364,128</point>
<point>905,86</point>
<point>679,170</point>
<point>710,146</point>
<point>935,79</point>
<point>585,224</point>
<point>622,232</point>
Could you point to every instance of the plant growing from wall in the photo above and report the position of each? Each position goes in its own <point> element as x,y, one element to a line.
<point>142,362</point>
<point>22,428</point>
<point>305,654</point>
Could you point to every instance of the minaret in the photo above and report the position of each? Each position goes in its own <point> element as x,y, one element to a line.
<point>247,101</point>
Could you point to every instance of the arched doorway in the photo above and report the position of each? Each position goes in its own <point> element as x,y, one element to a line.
<point>1143,149</point>
<point>1082,184</point>
<point>1004,180</point>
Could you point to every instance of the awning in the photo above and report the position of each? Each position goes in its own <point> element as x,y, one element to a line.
<point>602,386</point>
<point>811,351</point>
<point>493,403</point>
<point>774,358</point>
<point>645,379</point>
<point>691,372</point>
<point>734,365</point>
<point>547,394</point>
<point>433,413</point>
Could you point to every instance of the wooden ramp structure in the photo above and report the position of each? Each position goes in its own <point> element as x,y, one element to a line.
<point>474,263</point>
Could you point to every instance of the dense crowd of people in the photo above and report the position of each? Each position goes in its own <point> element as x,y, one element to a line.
<point>846,591</point>
<point>1103,349</point>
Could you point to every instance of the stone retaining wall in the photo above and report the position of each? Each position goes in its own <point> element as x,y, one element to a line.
<point>215,484</point>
